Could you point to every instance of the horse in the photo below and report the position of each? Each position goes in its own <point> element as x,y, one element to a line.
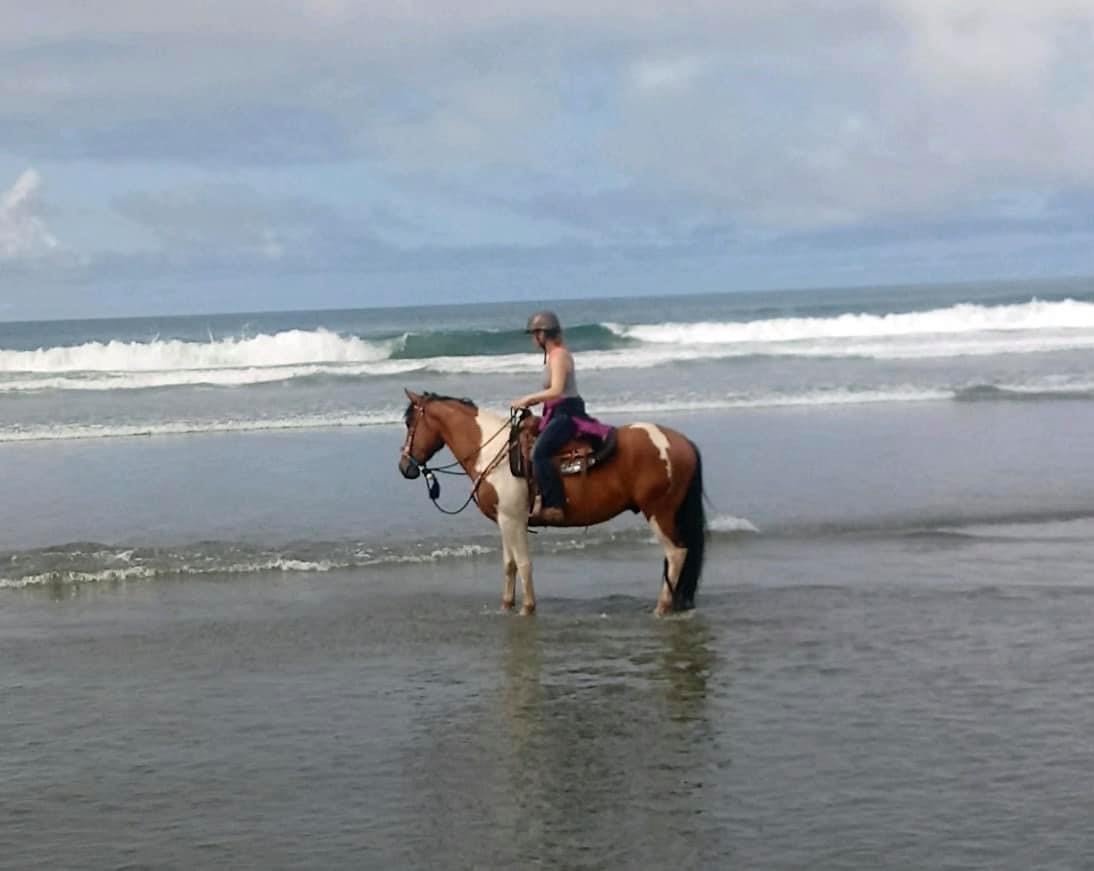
<point>654,470</point>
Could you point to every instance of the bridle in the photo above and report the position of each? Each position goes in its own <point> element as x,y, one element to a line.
<point>433,486</point>
<point>408,444</point>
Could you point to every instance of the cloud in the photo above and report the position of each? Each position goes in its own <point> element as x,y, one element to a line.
<point>616,124</point>
<point>786,114</point>
<point>23,233</point>
<point>207,224</point>
<point>667,74</point>
<point>925,116</point>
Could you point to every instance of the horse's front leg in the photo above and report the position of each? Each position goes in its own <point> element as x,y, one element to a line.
<point>515,533</point>
<point>524,565</point>
<point>509,563</point>
<point>509,566</point>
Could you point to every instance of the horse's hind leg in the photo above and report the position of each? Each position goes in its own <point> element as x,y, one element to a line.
<point>674,561</point>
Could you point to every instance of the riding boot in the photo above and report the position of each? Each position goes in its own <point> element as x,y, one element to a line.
<point>546,517</point>
<point>540,516</point>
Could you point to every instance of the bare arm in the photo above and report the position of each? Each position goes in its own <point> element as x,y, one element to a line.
<point>559,365</point>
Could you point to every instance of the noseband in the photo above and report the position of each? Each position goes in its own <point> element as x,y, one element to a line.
<point>408,444</point>
<point>419,468</point>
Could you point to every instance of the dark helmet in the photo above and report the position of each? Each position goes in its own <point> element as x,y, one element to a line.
<point>546,321</point>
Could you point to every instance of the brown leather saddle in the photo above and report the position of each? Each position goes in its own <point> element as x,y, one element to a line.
<point>575,457</point>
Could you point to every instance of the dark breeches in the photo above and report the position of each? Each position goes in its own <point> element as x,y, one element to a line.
<point>559,430</point>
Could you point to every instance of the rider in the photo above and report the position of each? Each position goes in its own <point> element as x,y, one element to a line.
<point>561,404</point>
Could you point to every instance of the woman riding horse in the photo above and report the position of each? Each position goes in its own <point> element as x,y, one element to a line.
<point>654,471</point>
<point>561,404</point>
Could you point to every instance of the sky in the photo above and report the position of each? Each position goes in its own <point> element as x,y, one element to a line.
<point>243,155</point>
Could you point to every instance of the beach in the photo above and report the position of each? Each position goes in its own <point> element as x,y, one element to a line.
<point>228,643</point>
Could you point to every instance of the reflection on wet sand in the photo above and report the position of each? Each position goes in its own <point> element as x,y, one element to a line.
<point>601,722</point>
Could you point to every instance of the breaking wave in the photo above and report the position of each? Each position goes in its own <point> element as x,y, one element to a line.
<point>294,355</point>
<point>964,318</point>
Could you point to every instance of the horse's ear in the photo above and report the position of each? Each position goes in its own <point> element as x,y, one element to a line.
<point>412,396</point>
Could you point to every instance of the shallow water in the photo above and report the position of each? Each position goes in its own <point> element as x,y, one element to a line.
<point>853,704</point>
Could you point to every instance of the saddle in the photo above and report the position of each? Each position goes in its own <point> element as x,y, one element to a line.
<point>583,452</point>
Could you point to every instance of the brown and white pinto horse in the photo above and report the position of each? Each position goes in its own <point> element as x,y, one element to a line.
<point>654,470</point>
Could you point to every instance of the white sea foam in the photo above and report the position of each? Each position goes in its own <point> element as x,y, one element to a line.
<point>961,330</point>
<point>959,319</point>
<point>60,432</point>
<point>192,377</point>
<point>1044,529</point>
<point>288,348</point>
<point>637,358</point>
<point>608,409</point>
<point>463,551</point>
<point>729,523</point>
<point>774,400</point>
<point>104,568</point>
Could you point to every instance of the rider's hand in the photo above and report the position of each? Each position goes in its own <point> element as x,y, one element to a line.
<point>519,403</point>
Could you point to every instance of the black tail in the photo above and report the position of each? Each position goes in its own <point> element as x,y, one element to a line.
<point>691,532</point>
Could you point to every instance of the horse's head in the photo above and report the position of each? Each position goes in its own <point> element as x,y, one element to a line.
<point>423,436</point>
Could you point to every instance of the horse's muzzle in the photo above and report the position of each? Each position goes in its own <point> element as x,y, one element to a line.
<point>409,467</point>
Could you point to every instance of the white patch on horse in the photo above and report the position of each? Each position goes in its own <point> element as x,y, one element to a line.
<point>675,557</point>
<point>512,492</point>
<point>660,441</point>
<point>512,508</point>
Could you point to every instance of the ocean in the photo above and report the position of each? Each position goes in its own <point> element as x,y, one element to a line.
<point>234,635</point>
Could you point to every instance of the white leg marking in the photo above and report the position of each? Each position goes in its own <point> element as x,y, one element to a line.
<point>675,556</point>
<point>515,531</point>
<point>524,565</point>
<point>660,441</point>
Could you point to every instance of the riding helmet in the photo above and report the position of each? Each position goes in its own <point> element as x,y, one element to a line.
<point>545,320</point>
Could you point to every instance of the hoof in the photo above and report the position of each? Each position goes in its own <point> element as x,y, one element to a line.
<point>528,610</point>
<point>507,605</point>
<point>662,610</point>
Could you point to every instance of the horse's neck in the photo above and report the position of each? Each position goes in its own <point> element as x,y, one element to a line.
<point>467,434</point>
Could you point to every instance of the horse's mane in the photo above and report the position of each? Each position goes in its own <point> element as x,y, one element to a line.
<point>438,397</point>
